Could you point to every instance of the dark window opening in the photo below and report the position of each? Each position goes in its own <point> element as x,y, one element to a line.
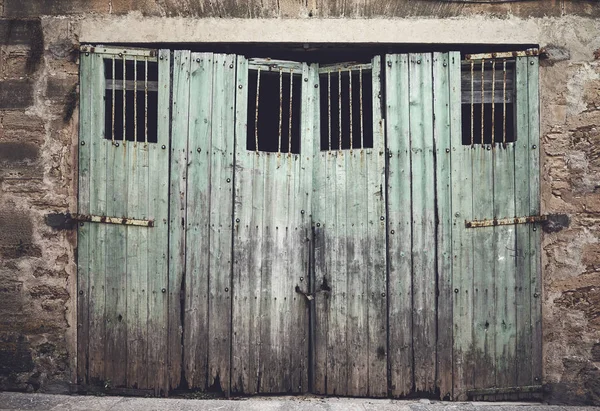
<point>487,96</point>
<point>135,116</point>
<point>275,119</point>
<point>346,116</point>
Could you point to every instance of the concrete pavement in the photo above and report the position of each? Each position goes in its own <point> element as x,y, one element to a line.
<point>51,402</point>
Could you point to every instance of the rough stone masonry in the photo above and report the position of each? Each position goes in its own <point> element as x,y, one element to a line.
<point>39,42</point>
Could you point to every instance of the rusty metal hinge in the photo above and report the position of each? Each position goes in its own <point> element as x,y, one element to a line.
<point>112,220</point>
<point>503,54</point>
<point>506,221</point>
<point>67,221</point>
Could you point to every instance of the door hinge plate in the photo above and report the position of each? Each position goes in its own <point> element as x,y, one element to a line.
<point>506,221</point>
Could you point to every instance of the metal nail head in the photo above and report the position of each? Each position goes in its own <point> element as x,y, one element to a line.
<point>164,290</point>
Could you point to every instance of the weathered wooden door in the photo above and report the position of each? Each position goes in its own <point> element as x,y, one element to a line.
<point>123,196</point>
<point>271,236</point>
<point>350,324</point>
<point>463,307</point>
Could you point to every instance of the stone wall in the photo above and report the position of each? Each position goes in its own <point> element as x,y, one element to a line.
<point>38,151</point>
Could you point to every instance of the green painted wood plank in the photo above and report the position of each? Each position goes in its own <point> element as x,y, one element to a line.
<point>522,208</point>
<point>357,248</point>
<point>116,266</point>
<point>98,242</point>
<point>309,137</point>
<point>337,358</point>
<point>247,249</point>
<point>177,210</point>
<point>504,266</point>
<point>399,225</point>
<point>423,216</point>
<point>443,64</point>
<point>321,195</point>
<point>221,200</point>
<point>158,178</point>
<point>195,327</point>
<point>375,252</point>
<point>83,234</point>
<point>462,245</point>
<point>534,231</point>
<point>484,323</point>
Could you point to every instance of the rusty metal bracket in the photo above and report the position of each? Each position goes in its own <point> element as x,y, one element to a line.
<point>506,221</point>
<point>503,55</point>
<point>112,220</point>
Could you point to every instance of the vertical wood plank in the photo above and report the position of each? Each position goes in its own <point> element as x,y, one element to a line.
<point>483,350</point>
<point>522,208</point>
<point>177,209</point>
<point>115,351</point>
<point>195,327</point>
<point>158,236</point>
<point>443,93</point>
<point>534,209</point>
<point>83,232</point>
<point>221,200</point>
<point>247,249</point>
<point>462,243</point>
<point>375,252</point>
<point>504,265</point>
<point>399,225</point>
<point>322,194</point>
<point>357,259</point>
<point>423,218</point>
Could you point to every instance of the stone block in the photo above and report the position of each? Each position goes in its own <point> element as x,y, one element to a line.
<point>16,94</point>
<point>59,89</point>
<point>18,153</point>
<point>36,8</point>
<point>16,236</point>
<point>20,32</point>
<point>15,354</point>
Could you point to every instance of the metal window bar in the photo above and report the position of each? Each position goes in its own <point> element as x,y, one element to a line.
<point>482,100</point>
<point>290,113</point>
<point>124,102</point>
<point>135,109</point>
<point>256,110</point>
<point>350,107</point>
<point>280,108</point>
<point>360,85</point>
<point>146,100</point>
<point>504,104</point>
<point>340,107</point>
<point>329,104</point>
<point>493,100</point>
<point>114,99</point>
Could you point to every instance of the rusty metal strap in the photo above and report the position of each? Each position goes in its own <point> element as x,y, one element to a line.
<point>112,220</point>
<point>503,55</point>
<point>121,53</point>
<point>506,221</point>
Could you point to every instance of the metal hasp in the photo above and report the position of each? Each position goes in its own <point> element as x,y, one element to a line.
<point>506,221</point>
<point>112,220</point>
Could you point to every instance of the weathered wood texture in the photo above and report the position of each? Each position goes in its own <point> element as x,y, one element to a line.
<point>496,334</point>
<point>350,265</point>
<point>446,92</point>
<point>271,256</point>
<point>122,325</point>
<point>201,213</point>
<point>197,221</point>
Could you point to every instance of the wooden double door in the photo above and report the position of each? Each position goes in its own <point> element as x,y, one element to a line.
<point>337,268</point>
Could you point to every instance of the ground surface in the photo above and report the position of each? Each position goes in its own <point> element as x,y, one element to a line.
<point>49,402</point>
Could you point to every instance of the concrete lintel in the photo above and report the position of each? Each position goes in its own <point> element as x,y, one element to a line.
<point>134,28</point>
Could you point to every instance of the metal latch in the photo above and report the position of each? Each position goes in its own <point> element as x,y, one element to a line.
<point>66,221</point>
<point>506,221</point>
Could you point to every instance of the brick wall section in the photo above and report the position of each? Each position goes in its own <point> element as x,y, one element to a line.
<point>38,149</point>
